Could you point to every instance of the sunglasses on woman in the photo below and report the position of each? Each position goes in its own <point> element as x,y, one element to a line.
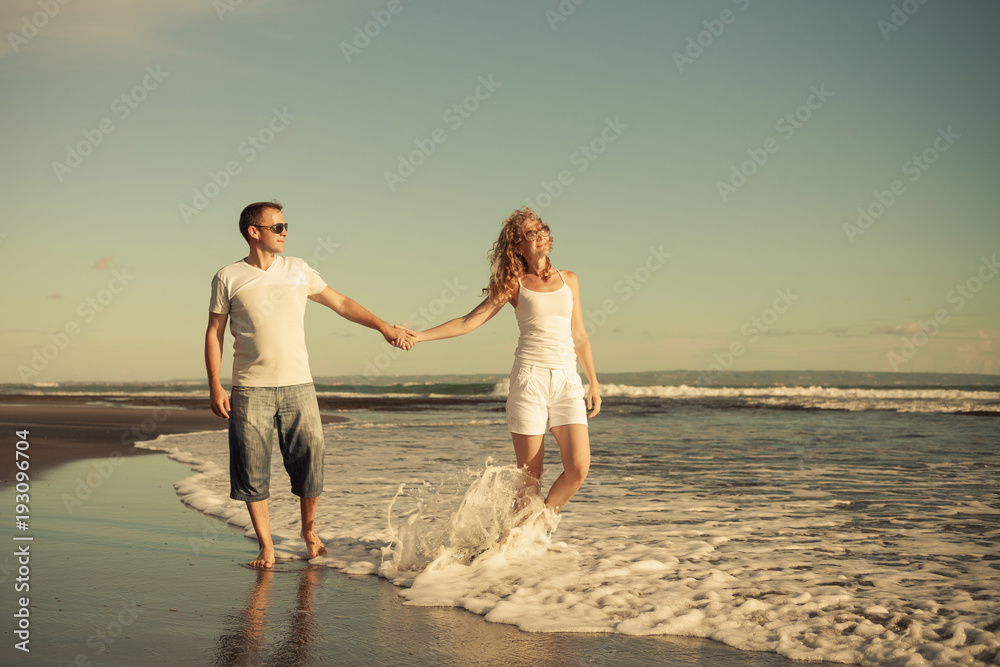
<point>531,233</point>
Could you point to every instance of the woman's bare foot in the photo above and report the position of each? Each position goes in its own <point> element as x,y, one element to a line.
<point>313,544</point>
<point>548,519</point>
<point>264,560</point>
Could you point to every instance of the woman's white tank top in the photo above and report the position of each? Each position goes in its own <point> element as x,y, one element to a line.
<point>545,321</point>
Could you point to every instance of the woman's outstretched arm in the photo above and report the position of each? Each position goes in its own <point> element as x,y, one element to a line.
<point>462,325</point>
<point>581,343</point>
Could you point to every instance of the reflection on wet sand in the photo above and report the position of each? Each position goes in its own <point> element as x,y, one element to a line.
<point>331,618</point>
<point>261,634</point>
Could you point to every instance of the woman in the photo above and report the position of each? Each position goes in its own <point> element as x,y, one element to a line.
<point>545,389</point>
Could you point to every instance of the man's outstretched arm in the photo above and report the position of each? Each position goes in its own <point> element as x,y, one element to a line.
<point>351,310</point>
<point>213,363</point>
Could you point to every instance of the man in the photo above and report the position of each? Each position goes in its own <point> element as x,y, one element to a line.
<point>265,294</point>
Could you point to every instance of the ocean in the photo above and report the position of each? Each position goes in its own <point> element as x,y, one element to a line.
<point>848,517</point>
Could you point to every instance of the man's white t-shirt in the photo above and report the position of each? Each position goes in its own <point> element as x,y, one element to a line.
<point>267,319</point>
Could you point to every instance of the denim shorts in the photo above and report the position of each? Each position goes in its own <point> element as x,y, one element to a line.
<point>542,397</point>
<point>255,413</point>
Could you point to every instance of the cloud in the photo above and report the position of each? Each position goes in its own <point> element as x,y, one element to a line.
<point>103,263</point>
<point>115,28</point>
<point>901,329</point>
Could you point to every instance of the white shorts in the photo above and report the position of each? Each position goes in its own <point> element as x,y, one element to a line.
<point>541,397</point>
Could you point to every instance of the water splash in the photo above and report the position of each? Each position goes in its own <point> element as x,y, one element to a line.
<point>469,516</point>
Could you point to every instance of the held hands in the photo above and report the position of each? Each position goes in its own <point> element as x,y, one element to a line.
<point>593,400</point>
<point>401,337</point>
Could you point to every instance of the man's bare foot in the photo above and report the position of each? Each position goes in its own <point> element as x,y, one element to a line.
<point>264,560</point>
<point>313,544</point>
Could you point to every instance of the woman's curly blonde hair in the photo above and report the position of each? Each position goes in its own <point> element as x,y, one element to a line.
<point>506,263</point>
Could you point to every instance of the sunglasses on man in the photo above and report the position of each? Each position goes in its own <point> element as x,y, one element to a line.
<point>277,229</point>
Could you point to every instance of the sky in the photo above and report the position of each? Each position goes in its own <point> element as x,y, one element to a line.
<point>739,184</point>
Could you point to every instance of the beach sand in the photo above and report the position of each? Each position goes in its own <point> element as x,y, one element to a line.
<point>65,428</point>
<point>122,573</point>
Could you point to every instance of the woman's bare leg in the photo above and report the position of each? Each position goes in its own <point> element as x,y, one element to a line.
<point>574,447</point>
<point>530,452</point>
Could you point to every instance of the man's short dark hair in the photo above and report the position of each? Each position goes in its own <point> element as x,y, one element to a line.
<point>254,214</point>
